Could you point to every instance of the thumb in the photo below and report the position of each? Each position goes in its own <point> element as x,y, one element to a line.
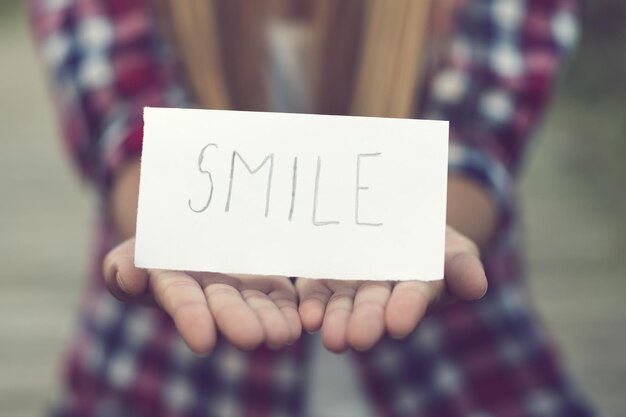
<point>123,280</point>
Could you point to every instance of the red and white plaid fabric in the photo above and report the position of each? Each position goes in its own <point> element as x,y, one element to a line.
<point>107,61</point>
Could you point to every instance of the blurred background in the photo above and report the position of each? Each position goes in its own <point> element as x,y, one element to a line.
<point>574,194</point>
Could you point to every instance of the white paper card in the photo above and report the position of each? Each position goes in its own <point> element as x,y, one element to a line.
<point>292,194</point>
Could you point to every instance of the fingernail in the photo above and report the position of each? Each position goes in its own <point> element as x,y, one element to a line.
<point>485,291</point>
<point>118,279</point>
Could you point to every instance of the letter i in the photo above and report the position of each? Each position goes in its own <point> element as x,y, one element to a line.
<point>293,186</point>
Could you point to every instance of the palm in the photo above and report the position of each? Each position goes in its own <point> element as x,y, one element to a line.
<point>247,311</point>
<point>358,313</point>
<point>251,310</point>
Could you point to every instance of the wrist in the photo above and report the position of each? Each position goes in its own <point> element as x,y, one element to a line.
<point>471,210</point>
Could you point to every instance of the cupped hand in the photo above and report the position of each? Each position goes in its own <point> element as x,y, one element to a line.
<point>247,311</point>
<point>358,313</point>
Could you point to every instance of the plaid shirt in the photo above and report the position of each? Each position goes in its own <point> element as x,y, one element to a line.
<point>487,358</point>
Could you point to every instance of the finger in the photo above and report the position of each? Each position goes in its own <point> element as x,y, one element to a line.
<point>367,321</point>
<point>408,304</point>
<point>123,280</point>
<point>464,273</point>
<point>182,298</point>
<point>282,293</point>
<point>314,296</point>
<point>274,324</point>
<point>336,317</point>
<point>286,301</point>
<point>234,317</point>
<point>465,276</point>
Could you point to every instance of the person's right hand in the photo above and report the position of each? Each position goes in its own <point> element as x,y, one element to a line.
<point>247,311</point>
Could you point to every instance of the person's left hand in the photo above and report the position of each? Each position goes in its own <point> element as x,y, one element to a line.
<point>358,313</point>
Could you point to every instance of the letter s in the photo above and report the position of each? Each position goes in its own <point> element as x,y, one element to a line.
<point>203,171</point>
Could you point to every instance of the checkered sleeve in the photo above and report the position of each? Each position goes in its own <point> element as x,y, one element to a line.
<point>106,62</point>
<point>494,83</point>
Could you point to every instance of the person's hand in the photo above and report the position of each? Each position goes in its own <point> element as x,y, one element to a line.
<point>247,311</point>
<point>358,313</point>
